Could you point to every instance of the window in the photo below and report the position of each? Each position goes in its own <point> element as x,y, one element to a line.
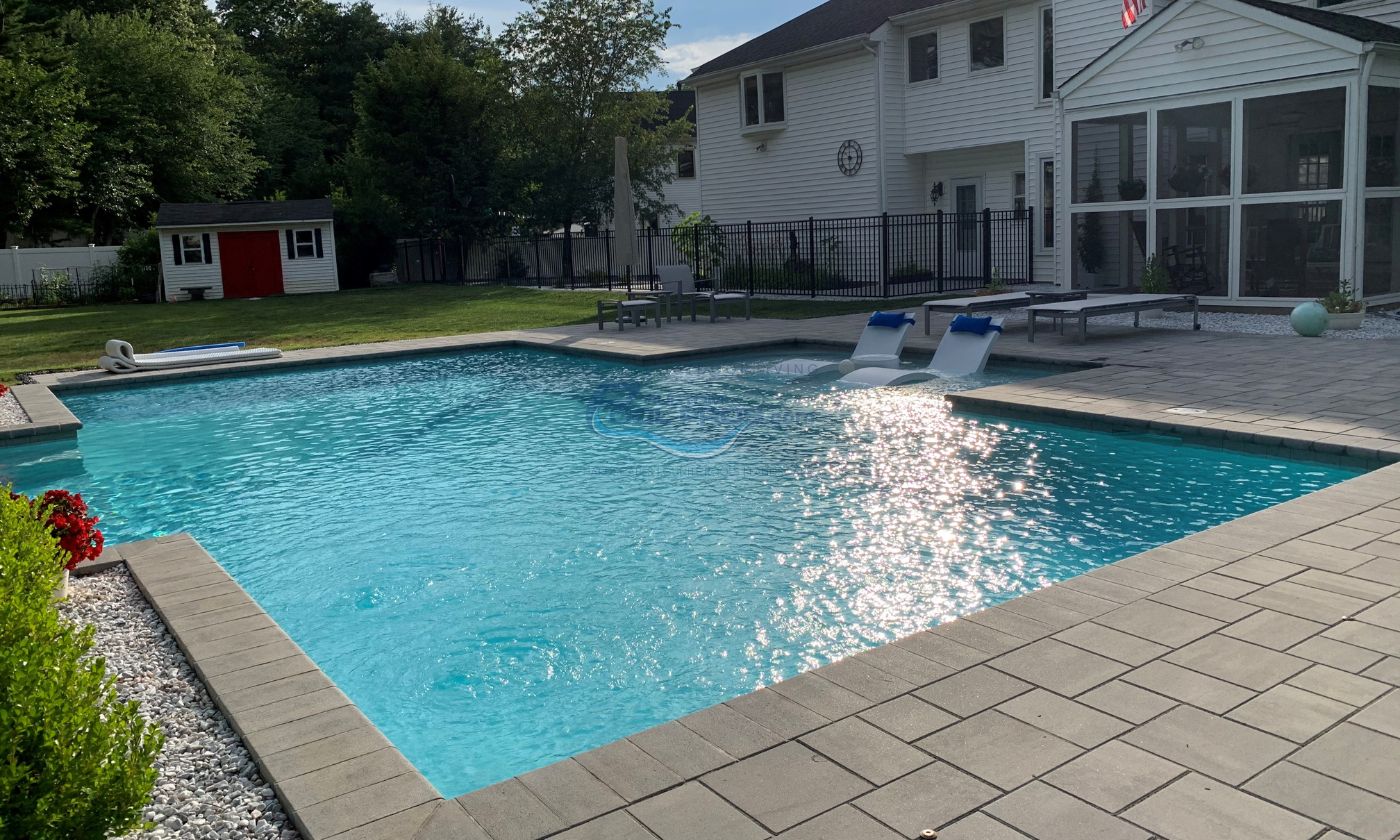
<point>685,163</point>
<point>1383,127</point>
<point>1110,159</point>
<point>1194,246</point>
<point>1193,151</point>
<point>1382,268</point>
<point>1047,203</point>
<point>1047,53</point>
<point>923,57</point>
<point>192,248</point>
<point>1295,141</point>
<point>764,99</point>
<point>1018,192</point>
<point>987,43</point>
<point>305,244</point>
<point>1109,249</point>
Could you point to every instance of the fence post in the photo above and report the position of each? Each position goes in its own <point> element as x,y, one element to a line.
<point>1030,244</point>
<point>938,248</point>
<point>568,257</point>
<point>607,250</point>
<point>812,252</point>
<point>651,254</point>
<point>884,255</point>
<point>748,244</point>
<point>987,244</point>
<point>539,266</point>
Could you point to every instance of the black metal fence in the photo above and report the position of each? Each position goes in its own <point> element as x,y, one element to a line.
<point>869,257</point>
<point>80,285</point>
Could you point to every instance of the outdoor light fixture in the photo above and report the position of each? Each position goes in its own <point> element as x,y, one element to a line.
<point>935,195</point>
<point>1191,44</point>
<point>763,147</point>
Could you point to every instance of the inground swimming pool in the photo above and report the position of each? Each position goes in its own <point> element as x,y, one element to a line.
<point>509,557</point>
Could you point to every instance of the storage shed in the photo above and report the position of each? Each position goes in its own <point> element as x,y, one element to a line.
<point>247,249</point>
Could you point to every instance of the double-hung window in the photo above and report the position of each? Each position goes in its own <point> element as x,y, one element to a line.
<point>192,248</point>
<point>987,43</point>
<point>923,57</point>
<point>764,99</point>
<point>305,244</point>
<point>685,164</point>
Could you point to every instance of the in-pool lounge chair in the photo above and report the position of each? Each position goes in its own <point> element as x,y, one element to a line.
<point>120,358</point>
<point>963,351</point>
<point>879,346</point>
<point>1098,305</point>
<point>679,281</point>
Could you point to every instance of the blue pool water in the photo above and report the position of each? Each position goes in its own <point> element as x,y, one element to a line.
<point>510,557</point>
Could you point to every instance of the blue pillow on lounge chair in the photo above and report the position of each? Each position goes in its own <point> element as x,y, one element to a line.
<point>893,320</point>
<point>976,326</point>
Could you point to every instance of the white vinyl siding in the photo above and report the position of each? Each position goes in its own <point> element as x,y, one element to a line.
<point>796,176</point>
<point>1234,52</point>
<point>306,275</point>
<point>190,274</point>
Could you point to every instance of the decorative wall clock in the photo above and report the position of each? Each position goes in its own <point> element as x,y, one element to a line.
<point>850,157</point>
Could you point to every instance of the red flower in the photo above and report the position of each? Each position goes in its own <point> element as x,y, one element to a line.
<point>4,389</point>
<point>67,517</point>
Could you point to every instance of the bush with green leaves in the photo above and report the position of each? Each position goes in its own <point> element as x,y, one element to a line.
<point>76,763</point>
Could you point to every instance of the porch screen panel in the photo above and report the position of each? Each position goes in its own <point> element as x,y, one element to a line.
<point>1193,151</point>
<point>1110,159</point>
<point>1295,142</point>
<point>1110,249</point>
<point>1292,250</point>
<point>1383,137</point>
<point>1194,246</point>
<point>1382,269</point>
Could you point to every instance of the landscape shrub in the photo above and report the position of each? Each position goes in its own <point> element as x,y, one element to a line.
<point>76,763</point>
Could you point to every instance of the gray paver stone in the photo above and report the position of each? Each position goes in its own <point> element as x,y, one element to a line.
<point>1062,668</point>
<point>844,823</point>
<point>785,786</point>
<point>1238,662</point>
<point>1328,801</point>
<point>694,812</point>
<point>1197,808</point>
<point>509,811</point>
<point>877,757</point>
<point>1212,745</point>
<point>1048,814</point>
<point>926,799</point>
<point>625,768</point>
<point>1360,757</point>
<point>1000,749</point>
<point>569,790</point>
<point>616,826</point>
<point>1072,721</point>
<point>1188,686</point>
<point>908,718</point>
<point>969,692</point>
<point>1114,775</point>
<point>1291,713</point>
<point>1126,701</point>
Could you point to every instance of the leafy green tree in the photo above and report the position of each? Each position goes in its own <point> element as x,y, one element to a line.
<point>579,67</point>
<point>428,138</point>
<point>168,121</point>
<point>42,140</point>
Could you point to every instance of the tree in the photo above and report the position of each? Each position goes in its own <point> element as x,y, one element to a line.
<point>168,121</point>
<point>41,140</point>
<point>428,137</point>
<point>578,67</point>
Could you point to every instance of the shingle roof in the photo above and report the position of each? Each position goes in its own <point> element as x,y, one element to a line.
<point>1350,26</point>
<point>835,20</point>
<point>243,213</point>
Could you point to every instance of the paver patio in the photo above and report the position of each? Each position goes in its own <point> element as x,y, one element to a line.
<point>1239,683</point>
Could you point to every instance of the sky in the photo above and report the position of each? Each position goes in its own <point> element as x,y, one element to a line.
<point>708,27</point>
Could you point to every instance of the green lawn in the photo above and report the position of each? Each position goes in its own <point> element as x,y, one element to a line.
<point>62,339</point>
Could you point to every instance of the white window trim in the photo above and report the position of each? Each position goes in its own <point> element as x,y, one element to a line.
<point>310,243</point>
<point>1238,199</point>
<point>761,126</point>
<point>197,250</point>
<point>919,33</point>
<point>1000,67</point>
<point>1045,245</point>
<point>1040,54</point>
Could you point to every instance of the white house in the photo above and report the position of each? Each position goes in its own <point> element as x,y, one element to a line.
<point>859,108</point>
<point>247,249</point>
<point>683,192</point>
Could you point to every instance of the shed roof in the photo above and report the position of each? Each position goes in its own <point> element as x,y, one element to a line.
<point>832,21</point>
<point>243,213</point>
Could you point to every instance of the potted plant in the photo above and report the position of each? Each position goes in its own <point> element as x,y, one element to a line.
<point>1155,281</point>
<point>1344,311</point>
<point>1132,189</point>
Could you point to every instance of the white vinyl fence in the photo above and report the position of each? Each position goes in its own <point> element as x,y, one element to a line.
<point>25,271</point>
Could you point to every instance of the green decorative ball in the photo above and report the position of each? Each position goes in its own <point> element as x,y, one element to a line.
<point>1309,319</point>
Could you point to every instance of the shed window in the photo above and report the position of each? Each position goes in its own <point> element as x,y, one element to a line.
<point>192,248</point>
<point>305,244</point>
<point>987,43</point>
<point>923,57</point>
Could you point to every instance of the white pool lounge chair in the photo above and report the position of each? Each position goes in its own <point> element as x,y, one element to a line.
<point>879,346</point>
<point>120,358</point>
<point>961,352</point>
<point>680,280</point>
<point>1097,305</point>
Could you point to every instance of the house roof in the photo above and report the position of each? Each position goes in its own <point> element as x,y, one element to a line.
<point>243,213</point>
<point>832,21</point>
<point>1348,26</point>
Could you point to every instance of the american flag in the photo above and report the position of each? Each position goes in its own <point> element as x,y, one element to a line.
<point>1131,10</point>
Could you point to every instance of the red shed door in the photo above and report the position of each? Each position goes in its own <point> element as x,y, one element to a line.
<point>251,263</point>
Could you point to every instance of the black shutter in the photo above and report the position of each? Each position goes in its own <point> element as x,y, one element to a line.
<point>291,245</point>
<point>208,252</point>
<point>175,244</point>
<point>320,254</point>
